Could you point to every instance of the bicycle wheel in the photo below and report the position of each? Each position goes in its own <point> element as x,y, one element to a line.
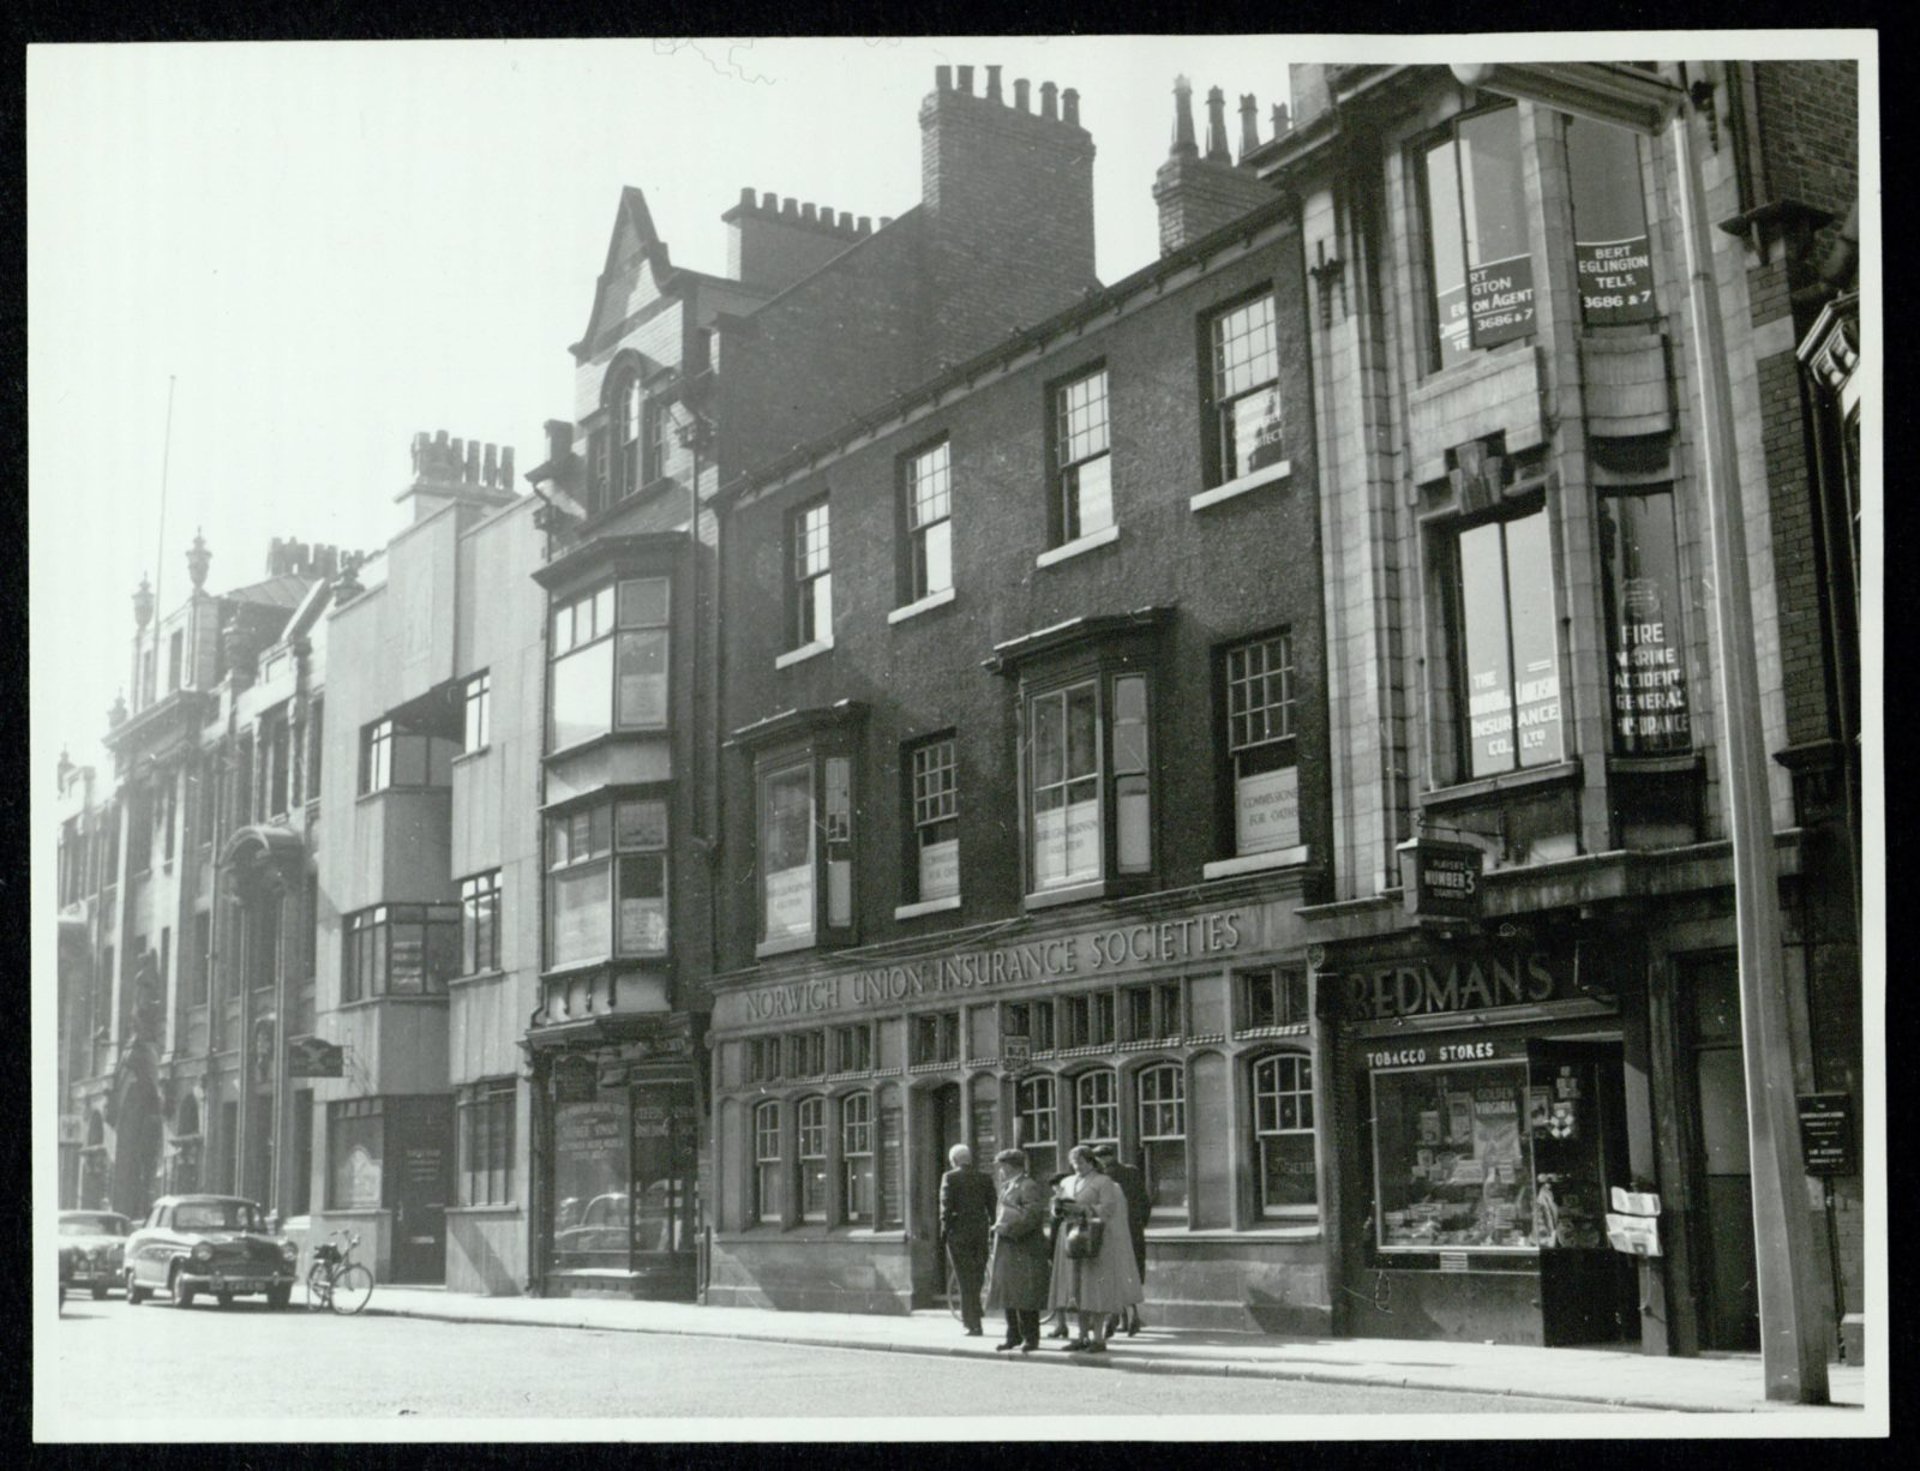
<point>352,1286</point>
<point>319,1286</point>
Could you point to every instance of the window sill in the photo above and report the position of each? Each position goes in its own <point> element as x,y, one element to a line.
<point>365,797</point>
<point>1560,773</point>
<point>1252,480</point>
<point>925,605</point>
<point>479,976</point>
<point>474,754</point>
<point>927,906</point>
<point>509,1208</point>
<point>802,654</point>
<point>1075,548</point>
<point>437,998</point>
<point>1071,893</point>
<point>784,947</point>
<point>1227,868</point>
<point>593,742</point>
<point>1261,1232</point>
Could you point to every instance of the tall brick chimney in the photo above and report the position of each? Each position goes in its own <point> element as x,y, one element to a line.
<point>1198,195</point>
<point>1007,196</point>
<point>458,470</point>
<point>777,241</point>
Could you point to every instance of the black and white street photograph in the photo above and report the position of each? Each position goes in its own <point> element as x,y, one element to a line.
<point>957,738</point>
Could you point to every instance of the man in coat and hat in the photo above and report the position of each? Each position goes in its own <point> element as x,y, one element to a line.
<point>1133,1185</point>
<point>966,1219</point>
<point>1022,1258</point>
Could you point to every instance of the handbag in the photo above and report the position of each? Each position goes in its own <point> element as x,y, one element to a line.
<point>1083,1238</point>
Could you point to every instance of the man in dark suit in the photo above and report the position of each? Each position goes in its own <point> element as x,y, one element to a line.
<point>967,1202</point>
<point>1133,1186</point>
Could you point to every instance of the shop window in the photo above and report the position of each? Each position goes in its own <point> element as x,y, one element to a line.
<point>609,670</point>
<point>1480,269</point>
<point>935,802</point>
<point>1246,405</point>
<point>1262,754</point>
<point>592,1177</point>
<point>1645,599</point>
<point>607,882</point>
<point>856,1158</point>
<point>853,1048</point>
<point>926,493</point>
<point>1453,1162</point>
<point>1083,466</point>
<point>486,1144</point>
<point>1030,1019</point>
<point>810,1150</point>
<point>1038,1118</point>
<point>809,577</point>
<point>1152,1013</point>
<point>400,950</point>
<point>356,1147</point>
<point>480,923</point>
<point>1504,645</point>
<point>936,1037</point>
<point>766,1164</point>
<point>1089,1020</point>
<point>476,701</point>
<point>1273,998</point>
<point>1089,773</point>
<point>1162,1094</point>
<point>807,1054</point>
<point>1613,254</point>
<point>1096,1107</point>
<point>763,1059</point>
<point>1283,1135</point>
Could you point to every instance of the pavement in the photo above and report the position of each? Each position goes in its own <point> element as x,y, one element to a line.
<point>1718,1384</point>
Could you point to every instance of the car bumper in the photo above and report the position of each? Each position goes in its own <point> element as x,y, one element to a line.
<point>240,1283</point>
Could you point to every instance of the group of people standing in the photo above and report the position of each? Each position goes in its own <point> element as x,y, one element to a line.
<point>1074,1246</point>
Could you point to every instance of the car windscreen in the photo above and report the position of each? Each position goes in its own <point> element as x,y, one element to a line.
<point>214,1215</point>
<point>101,1225</point>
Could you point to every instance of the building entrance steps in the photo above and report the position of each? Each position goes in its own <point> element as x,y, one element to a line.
<point>1718,1384</point>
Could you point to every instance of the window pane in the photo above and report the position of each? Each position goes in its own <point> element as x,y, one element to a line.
<point>409,761</point>
<point>640,825</point>
<point>1082,429</point>
<point>582,684</point>
<point>787,848</point>
<point>1490,185</point>
<point>1049,740</point>
<point>1535,639</point>
<point>1083,748</point>
<point>1446,246</point>
<point>1651,707</point>
<point>642,687</point>
<point>1604,164</point>
<point>937,558</point>
<point>643,904</point>
<point>1484,652</point>
<point>602,611</point>
<point>579,925</point>
<point>1453,1159</point>
<point>1255,433</point>
<point>1090,497</point>
<point>643,602</point>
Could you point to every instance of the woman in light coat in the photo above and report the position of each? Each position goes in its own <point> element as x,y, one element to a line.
<point>1020,1264</point>
<point>1107,1283</point>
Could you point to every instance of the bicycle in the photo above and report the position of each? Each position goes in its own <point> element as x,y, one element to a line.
<point>336,1280</point>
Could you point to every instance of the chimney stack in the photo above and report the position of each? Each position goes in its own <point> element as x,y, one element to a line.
<point>1217,126</point>
<point>1021,91</point>
<point>993,84</point>
<point>457,470</point>
<point>1280,120</point>
<point>965,81</point>
<point>778,241</point>
<point>1048,105</point>
<point>1196,194</point>
<point>1070,108</point>
<point>1184,145</point>
<point>1249,125</point>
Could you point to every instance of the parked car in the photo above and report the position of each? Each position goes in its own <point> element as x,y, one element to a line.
<point>219,1244</point>
<point>91,1246</point>
<point>607,1224</point>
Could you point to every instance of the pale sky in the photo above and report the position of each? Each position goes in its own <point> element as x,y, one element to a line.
<point>331,246</point>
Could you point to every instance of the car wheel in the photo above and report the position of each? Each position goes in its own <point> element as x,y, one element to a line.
<point>99,1294</point>
<point>279,1297</point>
<point>182,1292</point>
<point>136,1294</point>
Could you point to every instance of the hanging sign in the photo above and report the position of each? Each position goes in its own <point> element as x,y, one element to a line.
<point>1616,281</point>
<point>1826,1133</point>
<point>1444,879</point>
<point>315,1057</point>
<point>1500,301</point>
<point>1016,1052</point>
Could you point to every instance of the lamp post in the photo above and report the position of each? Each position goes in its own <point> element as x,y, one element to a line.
<point>1792,1340</point>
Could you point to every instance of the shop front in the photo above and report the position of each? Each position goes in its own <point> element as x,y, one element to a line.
<point>1183,1033</point>
<point>1486,1078</point>
<point>617,1164</point>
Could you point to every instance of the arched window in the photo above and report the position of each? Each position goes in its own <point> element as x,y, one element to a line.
<point>766,1163</point>
<point>1096,1107</point>
<point>1163,1135</point>
<point>856,1158</point>
<point>1283,1135</point>
<point>810,1148</point>
<point>626,436</point>
<point>1039,1125</point>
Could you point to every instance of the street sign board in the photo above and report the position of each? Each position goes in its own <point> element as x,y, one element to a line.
<point>1826,1133</point>
<point>1016,1052</point>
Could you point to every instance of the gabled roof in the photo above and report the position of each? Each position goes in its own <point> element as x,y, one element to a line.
<point>274,592</point>
<point>633,234</point>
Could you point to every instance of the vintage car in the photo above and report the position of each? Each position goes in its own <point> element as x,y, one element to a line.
<point>91,1243</point>
<point>607,1225</point>
<point>218,1244</point>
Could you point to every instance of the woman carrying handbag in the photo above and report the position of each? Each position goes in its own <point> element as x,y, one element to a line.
<point>1093,1269</point>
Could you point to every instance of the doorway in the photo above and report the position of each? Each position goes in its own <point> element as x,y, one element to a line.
<point>1726,1287</point>
<point>937,1127</point>
<point>420,1158</point>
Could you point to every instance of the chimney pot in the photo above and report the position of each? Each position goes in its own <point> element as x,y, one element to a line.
<point>809,213</point>
<point>865,226</point>
<point>790,208</point>
<point>964,81</point>
<point>770,203</point>
<point>1049,101</point>
<point>1280,120</point>
<point>746,198</point>
<point>506,467</point>
<point>993,84</point>
<point>490,466</point>
<point>1020,91</point>
<point>943,78</point>
<point>1249,124</point>
<point>1217,126</point>
<point>1184,145</point>
<point>846,219</point>
<point>1070,107</point>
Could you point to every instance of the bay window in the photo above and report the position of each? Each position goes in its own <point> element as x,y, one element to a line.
<point>1283,1135</point>
<point>400,950</point>
<point>607,882</point>
<point>609,653</point>
<point>1162,1093</point>
<point>1083,465</point>
<point>1089,772</point>
<point>1246,390</point>
<point>407,749</point>
<point>1480,270</point>
<point>1505,645</point>
<point>1261,754</point>
<point>806,850</point>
